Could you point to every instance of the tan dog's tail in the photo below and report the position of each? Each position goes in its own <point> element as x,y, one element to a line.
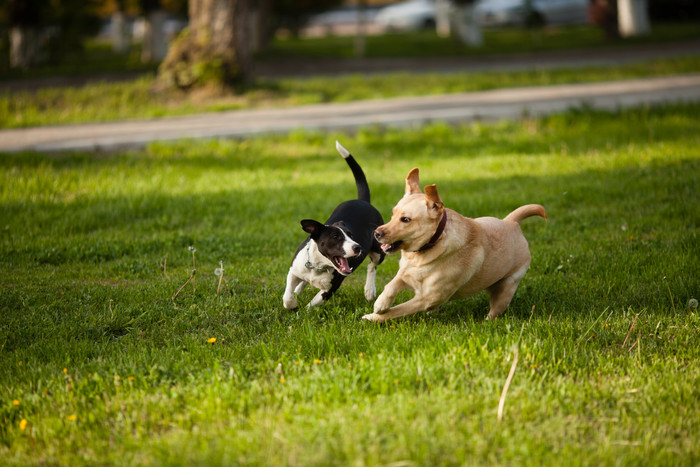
<point>524,212</point>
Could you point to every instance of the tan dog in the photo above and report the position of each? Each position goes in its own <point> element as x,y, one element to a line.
<point>446,256</point>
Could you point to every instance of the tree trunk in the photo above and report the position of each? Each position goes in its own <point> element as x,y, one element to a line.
<point>260,30</point>
<point>25,47</point>
<point>26,33</point>
<point>120,39</point>
<point>467,26</point>
<point>633,17</point>
<point>154,46</point>
<point>443,21</point>
<point>215,49</point>
<point>602,13</point>
<point>224,24</point>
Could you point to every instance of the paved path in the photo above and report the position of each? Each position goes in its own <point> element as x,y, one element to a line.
<point>488,105</point>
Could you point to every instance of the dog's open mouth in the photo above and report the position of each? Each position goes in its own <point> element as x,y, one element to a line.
<point>391,247</point>
<point>341,264</point>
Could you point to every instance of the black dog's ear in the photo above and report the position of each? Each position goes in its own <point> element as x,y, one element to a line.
<point>312,227</point>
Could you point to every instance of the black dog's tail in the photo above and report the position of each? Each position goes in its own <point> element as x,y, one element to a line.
<point>360,180</point>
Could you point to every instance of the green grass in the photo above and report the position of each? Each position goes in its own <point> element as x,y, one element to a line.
<point>106,368</point>
<point>136,100</point>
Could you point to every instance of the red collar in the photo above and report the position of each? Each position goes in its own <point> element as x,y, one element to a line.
<point>433,240</point>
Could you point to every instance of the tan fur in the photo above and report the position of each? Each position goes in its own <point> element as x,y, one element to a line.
<point>470,255</point>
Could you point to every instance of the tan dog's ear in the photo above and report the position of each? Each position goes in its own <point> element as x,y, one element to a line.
<point>433,199</point>
<point>412,186</point>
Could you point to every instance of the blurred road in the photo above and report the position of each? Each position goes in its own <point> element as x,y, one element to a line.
<point>511,103</point>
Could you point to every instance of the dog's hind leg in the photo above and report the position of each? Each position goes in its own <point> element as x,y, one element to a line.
<point>502,292</point>
<point>370,287</point>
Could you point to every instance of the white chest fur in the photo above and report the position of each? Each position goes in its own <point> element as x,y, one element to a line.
<point>311,266</point>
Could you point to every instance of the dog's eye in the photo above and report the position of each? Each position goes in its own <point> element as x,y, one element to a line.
<point>405,220</point>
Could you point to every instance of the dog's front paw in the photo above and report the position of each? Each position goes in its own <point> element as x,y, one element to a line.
<point>318,300</point>
<point>370,292</point>
<point>382,304</point>
<point>290,303</point>
<point>374,317</point>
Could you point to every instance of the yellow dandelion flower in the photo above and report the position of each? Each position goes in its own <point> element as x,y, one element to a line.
<point>72,417</point>
<point>15,402</point>
<point>297,362</point>
<point>282,380</point>
<point>131,378</point>
<point>362,355</point>
<point>211,340</point>
<point>23,424</point>
<point>317,361</point>
<point>65,370</point>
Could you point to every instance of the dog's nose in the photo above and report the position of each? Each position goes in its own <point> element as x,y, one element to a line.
<point>356,249</point>
<point>378,234</point>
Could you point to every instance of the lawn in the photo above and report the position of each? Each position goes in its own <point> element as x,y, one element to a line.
<point>102,364</point>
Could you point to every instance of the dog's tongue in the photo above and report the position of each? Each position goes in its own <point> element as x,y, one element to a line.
<point>344,266</point>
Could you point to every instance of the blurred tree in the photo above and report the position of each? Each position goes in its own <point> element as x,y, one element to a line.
<point>119,34</point>
<point>462,23</point>
<point>261,28</point>
<point>214,50</point>
<point>25,19</point>
<point>154,46</point>
<point>633,17</point>
<point>154,13</point>
<point>603,13</point>
<point>46,30</point>
<point>217,46</point>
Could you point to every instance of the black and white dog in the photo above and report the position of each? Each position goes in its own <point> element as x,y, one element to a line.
<point>335,249</point>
